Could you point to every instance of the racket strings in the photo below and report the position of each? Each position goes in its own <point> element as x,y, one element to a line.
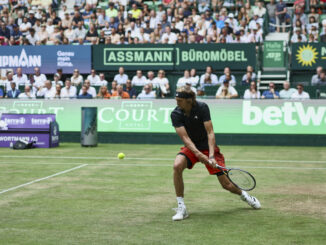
<point>242,179</point>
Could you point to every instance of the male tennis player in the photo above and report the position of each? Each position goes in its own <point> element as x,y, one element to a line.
<point>193,124</point>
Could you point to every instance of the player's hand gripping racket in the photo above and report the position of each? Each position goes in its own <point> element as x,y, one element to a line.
<point>240,178</point>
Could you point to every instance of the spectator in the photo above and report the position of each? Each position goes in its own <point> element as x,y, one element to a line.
<point>103,93</point>
<point>183,80</point>
<point>84,94</point>
<point>286,92</point>
<point>226,91</point>
<point>57,91</point>
<point>27,93</point>
<point>13,92</point>
<point>280,13</point>
<point>139,79</point>
<point>114,85</point>
<point>297,36</point>
<point>147,93</point>
<point>19,77</point>
<point>76,78</point>
<point>227,71</point>
<point>271,10</point>
<point>120,94</point>
<point>32,37</point>
<point>130,90</point>
<point>9,81</point>
<point>194,78</point>
<point>17,34</point>
<point>80,32</point>
<point>1,93</point>
<point>69,91</point>
<point>168,36</point>
<point>260,10</point>
<point>102,81</point>
<point>208,78</point>
<point>150,77</point>
<point>271,93</point>
<point>111,11</point>
<point>56,80</point>
<point>162,82</point>
<point>93,78</point>
<point>48,91</point>
<point>43,34</point>
<point>62,77</point>
<point>247,78</point>
<point>316,77</point>
<point>92,35</point>
<point>39,78</point>
<point>252,92</point>
<point>322,79</point>
<point>300,94</point>
<point>90,90</point>
<point>121,78</point>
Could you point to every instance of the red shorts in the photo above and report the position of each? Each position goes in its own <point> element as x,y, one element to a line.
<point>192,159</point>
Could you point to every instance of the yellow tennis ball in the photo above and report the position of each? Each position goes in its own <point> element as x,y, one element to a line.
<point>121,155</point>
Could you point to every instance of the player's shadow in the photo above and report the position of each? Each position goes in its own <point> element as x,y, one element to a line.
<point>220,213</point>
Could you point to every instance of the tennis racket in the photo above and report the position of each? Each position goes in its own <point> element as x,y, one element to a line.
<point>240,178</point>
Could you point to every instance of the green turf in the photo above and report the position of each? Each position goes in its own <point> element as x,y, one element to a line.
<point>130,201</point>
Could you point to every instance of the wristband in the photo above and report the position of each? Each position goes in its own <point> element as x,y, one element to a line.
<point>211,157</point>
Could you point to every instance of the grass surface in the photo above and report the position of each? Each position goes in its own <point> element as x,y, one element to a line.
<point>130,201</point>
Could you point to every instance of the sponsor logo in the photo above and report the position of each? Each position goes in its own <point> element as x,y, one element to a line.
<point>23,60</point>
<point>41,121</point>
<point>15,121</point>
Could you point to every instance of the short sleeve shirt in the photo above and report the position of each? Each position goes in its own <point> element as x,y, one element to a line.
<point>194,123</point>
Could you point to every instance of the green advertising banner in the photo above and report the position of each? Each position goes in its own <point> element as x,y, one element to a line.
<point>307,56</point>
<point>234,116</point>
<point>273,54</point>
<point>174,57</point>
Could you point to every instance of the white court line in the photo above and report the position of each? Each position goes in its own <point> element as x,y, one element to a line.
<point>38,180</point>
<point>162,159</point>
<point>159,165</point>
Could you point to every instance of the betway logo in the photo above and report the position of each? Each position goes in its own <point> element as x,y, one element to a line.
<point>21,61</point>
<point>291,113</point>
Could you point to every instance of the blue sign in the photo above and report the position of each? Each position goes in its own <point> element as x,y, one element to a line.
<point>48,58</point>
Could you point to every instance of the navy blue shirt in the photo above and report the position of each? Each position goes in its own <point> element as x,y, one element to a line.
<point>85,96</point>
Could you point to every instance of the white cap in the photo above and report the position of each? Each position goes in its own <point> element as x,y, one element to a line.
<point>231,15</point>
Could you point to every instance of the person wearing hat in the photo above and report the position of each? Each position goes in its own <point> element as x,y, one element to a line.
<point>233,21</point>
<point>226,91</point>
<point>31,18</point>
<point>297,35</point>
<point>254,36</point>
<point>56,80</point>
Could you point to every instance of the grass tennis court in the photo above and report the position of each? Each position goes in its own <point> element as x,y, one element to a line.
<point>97,199</point>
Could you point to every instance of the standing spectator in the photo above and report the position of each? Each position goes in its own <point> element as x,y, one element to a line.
<point>300,94</point>
<point>13,92</point>
<point>120,94</point>
<point>76,78</point>
<point>139,79</point>
<point>252,92</point>
<point>130,90</point>
<point>48,91</point>
<point>209,74</point>
<point>19,77</point>
<point>271,93</point>
<point>226,91</point>
<point>227,71</point>
<point>162,82</point>
<point>185,79</point>
<point>286,92</point>
<point>93,78</point>
<point>121,78</point>
<point>103,93</point>
<point>27,93</point>
<point>315,77</point>
<point>84,94</point>
<point>39,78</point>
<point>69,91</point>
<point>147,93</point>
<point>90,90</point>
<point>280,15</point>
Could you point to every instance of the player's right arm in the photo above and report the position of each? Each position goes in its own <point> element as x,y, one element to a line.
<point>181,131</point>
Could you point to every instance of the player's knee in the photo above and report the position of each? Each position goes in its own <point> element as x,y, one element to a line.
<point>178,167</point>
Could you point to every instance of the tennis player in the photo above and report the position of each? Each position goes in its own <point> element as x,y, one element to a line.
<point>193,124</point>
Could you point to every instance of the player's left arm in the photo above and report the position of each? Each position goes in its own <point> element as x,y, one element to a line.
<point>211,139</point>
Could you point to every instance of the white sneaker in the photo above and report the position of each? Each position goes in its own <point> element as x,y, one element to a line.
<point>181,213</point>
<point>252,201</point>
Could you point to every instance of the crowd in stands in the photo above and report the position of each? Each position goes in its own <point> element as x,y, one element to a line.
<point>139,86</point>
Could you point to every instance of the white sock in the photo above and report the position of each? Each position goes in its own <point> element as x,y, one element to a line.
<point>180,201</point>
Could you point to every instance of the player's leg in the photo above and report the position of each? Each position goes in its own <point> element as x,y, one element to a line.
<point>180,164</point>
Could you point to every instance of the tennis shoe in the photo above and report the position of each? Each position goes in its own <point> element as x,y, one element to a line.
<point>181,213</point>
<point>252,201</point>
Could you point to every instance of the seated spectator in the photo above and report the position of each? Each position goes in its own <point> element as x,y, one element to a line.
<point>185,79</point>
<point>147,93</point>
<point>189,85</point>
<point>84,94</point>
<point>139,79</point>
<point>162,82</point>
<point>168,36</point>
<point>298,36</point>
<point>103,93</point>
<point>102,81</point>
<point>247,79</point>
<point>39,78</point>
<point>252,92</point>
<point>43,34</point>
<point>1,93</point>
<point>57,91</point>
<point>69,91</point>
<point>19,77</point>
<point>90,90</point>
<point>56,80</point>
<point>48,91</point>
<point>92,34</point>
<point>300,94</point>
<point>9,81</point>
<point>150,77</point>
<point>120,94</point>
<point>13,92</point>
<point>76,78</point>
<point>130,90</point>
<point>93,78</point>
<point>114,85</point>
<point>271,93</point>
<point>227,71</point>
<point>315,78</point>
<point>322,79</point>
<point>226,91</point>
<point>80,32</point>
<point>194,78</point>
<point>121,78</point>
<point>28,94</point>
<point>208,78</point>
<point>286,92</point>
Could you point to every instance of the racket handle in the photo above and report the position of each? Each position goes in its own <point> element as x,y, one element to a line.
<point>210,162</point>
